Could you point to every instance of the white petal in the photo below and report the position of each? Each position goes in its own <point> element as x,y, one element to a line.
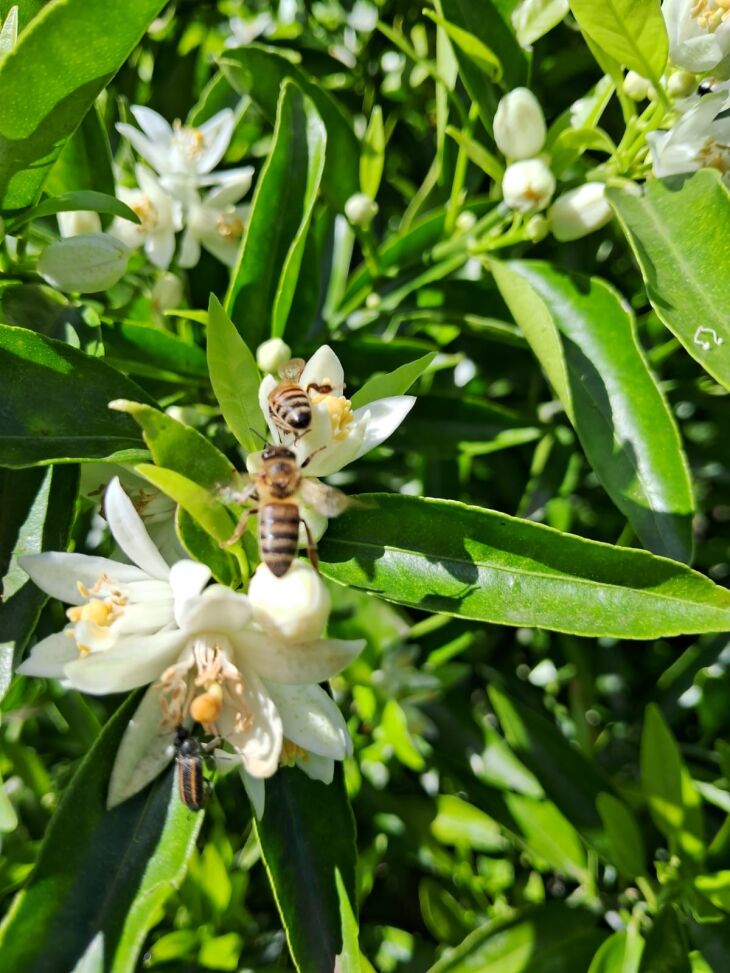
<point>190,250</point>
<point>129,532</point>
<point>317,767</point>
<point>160,248</point>
<point>152,123</point>
<point>260,743</point>
<point>187,580</point>
<point>49,657</point>
<point>130,663</point>
<point>158,157</point>
<point>218,609</point>
<point>385,417</point>
<point>146,748</point>
<point>231,186</point>
<point>323,366</point>
<point>216,132</point>
<point>294,607</point>
<point>256,791</point>
<point>309,662</point>
<point>268,384</point>
<point>311,719</point>
<point>222,248</point>
<point>58,573</point>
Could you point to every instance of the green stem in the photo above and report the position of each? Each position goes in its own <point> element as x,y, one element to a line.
<point>457,187</point>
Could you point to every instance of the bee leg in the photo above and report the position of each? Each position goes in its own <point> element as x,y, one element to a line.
<point>325,389</point>
<point>311,547</point>
<point>240,528</point>
<point>311,456</point>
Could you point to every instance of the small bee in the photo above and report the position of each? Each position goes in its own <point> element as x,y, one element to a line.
<point>278,488</point>
<point>190,780</point>
<point>290,407</point>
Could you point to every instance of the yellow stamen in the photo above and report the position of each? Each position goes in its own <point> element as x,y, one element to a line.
<point>340,412</point>
<point>290,752</point>
<point>710,14</point>
<point>146,211</point>
<point>229,226</point>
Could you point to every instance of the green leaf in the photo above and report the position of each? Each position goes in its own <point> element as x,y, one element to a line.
<point>666,949</point>
<point>372,159</point>
<point>673,800</point>
<point>259,71</point>
<point>394,730</point>
<point>147,350</point>
<point>53,400</point>
<point>551,939</point>
<point>478,154</point>
<point>632,32</point>
<point>394,383</point>
<point>62,60</point>
<point>463,825</point>
<point>349,958</point>
<point>623,835</point>
<point>263,283</point>
<point>548,835</point>
<point>82,199</point>
<point>37,512</point>
<point>443,556</point>
<point>621,953</point>
<point>235,378</point>
<point>85,161</point>
<point>676,235</point>
<point>716,888</point>
<point>144,843</point>
<point>307,836</point>
<point>201,547</point>
<point>482,56</point>
<point>585,339</point>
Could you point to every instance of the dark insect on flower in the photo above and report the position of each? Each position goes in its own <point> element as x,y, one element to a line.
<point>190,780</point>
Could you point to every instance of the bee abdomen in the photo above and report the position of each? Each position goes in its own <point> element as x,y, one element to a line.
<point>278,536</point>
<point>292,407</point>
<point>190,782</point>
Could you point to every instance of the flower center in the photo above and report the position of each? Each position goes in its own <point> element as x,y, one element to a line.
<point>709,14</point>
<point>229,226</point>
<point>714,155</point>
<point>339,409</point>
<point>95,618</point>
<point>146,211</point>
<point>189,140</point>
<point>290,752</point>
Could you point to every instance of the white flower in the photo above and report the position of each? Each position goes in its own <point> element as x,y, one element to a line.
<point>700,139</point>
<point>272,354</point>
<point>180,150</point>
<point>75,222</point>
<point>87,263</point>
<point>361,210</point>
<point>580,211</point>
<point>528,186</point>
<point>294,607</point>
<point>245,31</point>
<point>681,84</point>
<point>160,217</point>
<point>215,222</point>
<point>519,125</point>
<point>338,435</point>
<point>636,87</point>
<point>699,33</point>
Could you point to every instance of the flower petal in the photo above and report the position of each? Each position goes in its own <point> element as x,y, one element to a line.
<point>216,132</point>
<point>218,609</point>
<point>155,127</point>
<point>157,156</point>
<point>323,366</point>
<point>230,187</point>
<point>131,662</point>
<point>385,417</point>
<point>130,534</point>
<point>317,767</point>
<point>256,791</point>
<point>268,384</point>
<point>312,720</point>
<point>309,662</point>
<point>147,747</point>
<point>49,657</point>
<point>59,574</point>
<point>259,744</point>
<point>187,580</point>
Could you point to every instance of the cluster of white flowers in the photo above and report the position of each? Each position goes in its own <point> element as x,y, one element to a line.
<point>699,138</point>
<point>246,667</point>
<point>182,191</point>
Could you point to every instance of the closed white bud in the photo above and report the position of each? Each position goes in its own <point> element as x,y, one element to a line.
<point>537,228</point>
<point>681,84</point>
<point>636,87</point>
<point>76,222</point>
<point>272,354</point>
<point>465,221</point>
<point>580,211</point>
<point>294,607</point>
<point>361,210</point>
<point>528,186</point>
<point>167,292</point>
<point>88,263</point>
<point>519,125</point>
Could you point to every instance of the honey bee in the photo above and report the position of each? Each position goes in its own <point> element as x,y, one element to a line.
<point>290,407</point>
<point>277,490</point>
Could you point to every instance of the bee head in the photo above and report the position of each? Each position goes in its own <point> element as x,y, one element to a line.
<point>278,452</point>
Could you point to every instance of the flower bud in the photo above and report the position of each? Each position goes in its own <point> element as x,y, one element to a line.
<point>528,186</point>
<point>76,222</point>
<point>519,125</point>
<point>294,607</point>
<point>580,211</point>
<point>465,221</point>
<point>636,87</point>
<point>167,292</point>
<point>87,263</point>
<point>272,354</point>
<point>681,84</point>
<point>361,210</point>
<point>537,228</point>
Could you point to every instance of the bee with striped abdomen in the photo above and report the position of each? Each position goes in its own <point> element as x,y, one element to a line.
<point>277,490</point>
<point>290,407</point>
<point>190,780</point>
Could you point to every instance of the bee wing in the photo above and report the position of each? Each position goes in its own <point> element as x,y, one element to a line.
<point>292,369</point>
<point>327,500</point>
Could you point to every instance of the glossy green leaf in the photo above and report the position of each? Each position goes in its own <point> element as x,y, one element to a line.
<point>263,283</point>
<point>394,730</point>
<point>666,949</point>
<point>483,57</point>
<point>235,378</point>
<point>372,159</point>
<point>623,835</point>
<point>202,547</point>
<point>37,512</point>
<point>443,556</point>
<point>146,350</point>
<point>85,161</point>
<point>716,887</point>
<point>550,939</point>
<point>81,199</point>
<point>53,401</point>
<point>478,154</point>
<point>677,234</point>
<point>672,797</point>
<point>394,383</point>
<point>61,62</point>
<point>631,31</point>
<point>259,71</point>
<point>585,339</point>
<point>548,835</point>
<point>621,953</point>
<point>307,836</point>
<point>463,825</point>
<point>349,958</point>
<point>69,898</point>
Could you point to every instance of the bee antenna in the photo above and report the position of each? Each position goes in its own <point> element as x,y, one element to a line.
<point>263,439</point>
